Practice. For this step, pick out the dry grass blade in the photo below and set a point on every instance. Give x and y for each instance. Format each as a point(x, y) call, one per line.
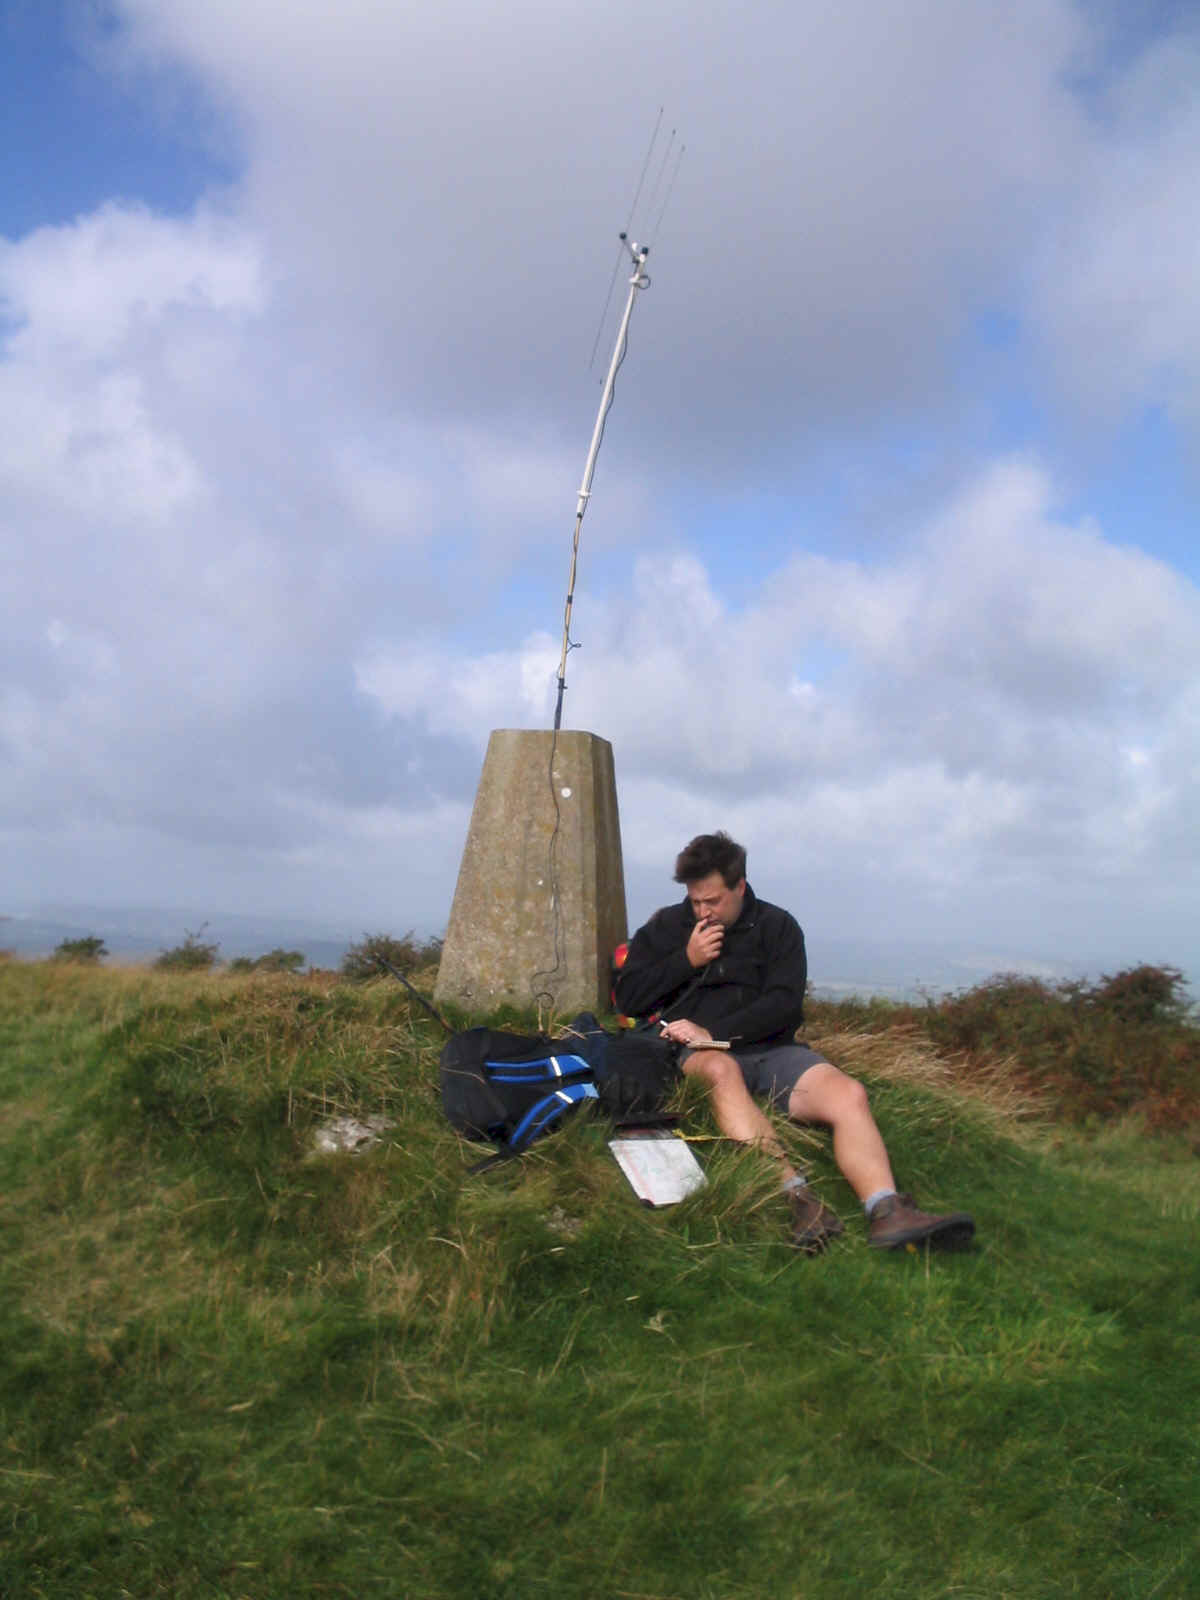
point(902, 1054)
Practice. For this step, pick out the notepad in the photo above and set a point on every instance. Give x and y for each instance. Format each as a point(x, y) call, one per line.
point(660, 1167)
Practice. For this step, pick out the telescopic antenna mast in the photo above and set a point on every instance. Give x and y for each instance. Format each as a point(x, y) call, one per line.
point(639, 280)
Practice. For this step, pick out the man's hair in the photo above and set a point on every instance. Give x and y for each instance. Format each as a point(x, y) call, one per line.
point(711, 852)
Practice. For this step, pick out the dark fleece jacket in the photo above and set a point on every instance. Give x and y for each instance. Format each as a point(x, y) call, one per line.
point(752, 994)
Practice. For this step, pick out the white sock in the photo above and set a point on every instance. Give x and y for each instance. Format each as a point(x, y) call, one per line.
point(873, 1200)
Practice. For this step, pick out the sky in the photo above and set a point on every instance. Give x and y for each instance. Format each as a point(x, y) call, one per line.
point(890, 565)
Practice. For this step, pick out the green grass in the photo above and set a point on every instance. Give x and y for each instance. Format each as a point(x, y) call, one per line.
point(231, 1368)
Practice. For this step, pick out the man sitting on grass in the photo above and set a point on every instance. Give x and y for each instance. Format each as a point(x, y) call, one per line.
point(726, 966)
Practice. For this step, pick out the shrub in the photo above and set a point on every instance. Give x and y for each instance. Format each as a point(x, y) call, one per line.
point(1125, 1043)
point(90, 950)
point(274, 961)
point(193, 955)
point(361, 960)
point(280, 961)
point(1143, 994)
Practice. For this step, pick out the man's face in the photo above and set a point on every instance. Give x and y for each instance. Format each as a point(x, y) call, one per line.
point(712, 900)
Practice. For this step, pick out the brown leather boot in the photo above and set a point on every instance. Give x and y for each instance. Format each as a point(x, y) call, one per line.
point(813, 1224)
point(896, 1222)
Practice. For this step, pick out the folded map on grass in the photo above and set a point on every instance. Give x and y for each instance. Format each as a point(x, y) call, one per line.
point(660, 1167)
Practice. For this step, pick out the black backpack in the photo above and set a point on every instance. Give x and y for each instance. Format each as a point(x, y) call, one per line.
point(509, 1089)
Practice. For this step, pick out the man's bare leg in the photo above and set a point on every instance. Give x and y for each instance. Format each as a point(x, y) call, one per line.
point(738, 1117)
point(826, 1094)
point(734, 1110)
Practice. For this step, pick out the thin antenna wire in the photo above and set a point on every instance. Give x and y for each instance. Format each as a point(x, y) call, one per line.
point(669, 193)
point(637, 194)
point(652, 200)
point(607, 302)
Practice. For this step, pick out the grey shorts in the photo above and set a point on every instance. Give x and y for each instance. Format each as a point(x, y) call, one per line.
point(773, 1073)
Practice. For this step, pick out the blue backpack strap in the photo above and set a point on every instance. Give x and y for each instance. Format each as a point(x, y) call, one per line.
point(547, 1111)
point(546, 1069)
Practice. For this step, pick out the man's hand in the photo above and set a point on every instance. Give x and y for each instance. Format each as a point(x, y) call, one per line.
point(684, 1032)
point(705, 943)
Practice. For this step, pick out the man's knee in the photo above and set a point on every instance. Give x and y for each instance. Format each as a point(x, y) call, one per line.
point(854, 1094)
point(826, 1094)
point(714, 1068)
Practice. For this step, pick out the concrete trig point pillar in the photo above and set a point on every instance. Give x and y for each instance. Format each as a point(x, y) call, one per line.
point(540, 902)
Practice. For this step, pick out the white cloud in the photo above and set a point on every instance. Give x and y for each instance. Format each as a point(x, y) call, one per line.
point(1116, 293)
point(976, 727)
point(93, 449)
point(84, 292)
point(91, 310)
point(452, 178)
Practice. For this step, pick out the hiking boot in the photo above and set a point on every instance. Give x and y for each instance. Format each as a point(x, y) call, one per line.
point(813, 1224)
point(896, 1222)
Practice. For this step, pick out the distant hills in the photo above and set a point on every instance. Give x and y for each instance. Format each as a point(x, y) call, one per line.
point(899, 969)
